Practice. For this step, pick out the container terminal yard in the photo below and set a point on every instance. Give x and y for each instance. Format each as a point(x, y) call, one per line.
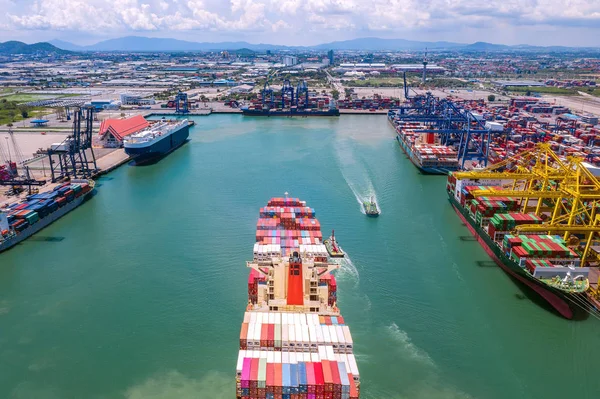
point(521, 172)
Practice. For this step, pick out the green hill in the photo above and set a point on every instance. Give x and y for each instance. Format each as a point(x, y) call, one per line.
point(14, 47)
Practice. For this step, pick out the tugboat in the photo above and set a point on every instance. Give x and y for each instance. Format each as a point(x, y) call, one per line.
point(332, 247)
point(371, 208)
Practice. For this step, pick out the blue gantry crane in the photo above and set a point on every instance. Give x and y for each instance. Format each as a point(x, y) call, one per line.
point(287, 88)
point(302, 91)
point(455, 125)
point(182, 103)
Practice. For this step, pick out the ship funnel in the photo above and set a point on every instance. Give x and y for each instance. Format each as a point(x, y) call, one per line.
point(295, 288)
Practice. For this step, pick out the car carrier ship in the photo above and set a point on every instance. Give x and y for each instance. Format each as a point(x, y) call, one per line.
point(423, 147)
point(294, 343)
point(21, 220)
point(542, 262)
point(156, 141)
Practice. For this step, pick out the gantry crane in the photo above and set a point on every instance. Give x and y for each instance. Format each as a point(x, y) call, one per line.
point(562, 191)
point(70, 158)
point(287, 88)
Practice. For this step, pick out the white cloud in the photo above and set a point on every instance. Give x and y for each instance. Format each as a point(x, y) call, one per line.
point(320, 17)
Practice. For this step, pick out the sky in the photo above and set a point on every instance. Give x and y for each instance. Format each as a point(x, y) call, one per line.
point(305, 22)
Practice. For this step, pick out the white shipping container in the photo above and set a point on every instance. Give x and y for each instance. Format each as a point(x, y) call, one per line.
point(278, 318)
point(305, 338)
point(326, 337)
point(292, 337)
point(240, 361)
point(319, 331)
point(263, 354)
point(340, 335)
point(277, 357)
point(284, 318)
point(330, 353)
point(285, 357)
point(298, 335)
point(246, 317)
point(257, 331)
point(270, 357)
point(253, 317)
point(347, 336)
point(306, 357)
point(332, 335)
point(285, 340)
point(322, 353)
point(293, 358)
point(353, 366)
point(302, 317)
point(271, 318)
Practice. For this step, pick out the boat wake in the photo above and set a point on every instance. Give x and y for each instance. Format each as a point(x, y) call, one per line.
point(355, 175)
point(348, 270)
point(407, 347)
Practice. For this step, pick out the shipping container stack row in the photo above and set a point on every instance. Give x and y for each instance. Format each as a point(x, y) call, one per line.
point(501, 223)
point(329, 281)
point(294, 332)
point(288, 375)
point(254, 279)
point(543, 255)
point(38, 206)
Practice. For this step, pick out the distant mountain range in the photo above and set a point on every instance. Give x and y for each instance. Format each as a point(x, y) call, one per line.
point(147, 44)
point(14, 47)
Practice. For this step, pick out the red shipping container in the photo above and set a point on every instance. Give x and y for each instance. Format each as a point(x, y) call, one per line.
point(278, 383)
point(335, 375)
point(264, 333)
point(270, 377)
point(327, 378)
point(243, 336)
point(310, 377)
point(319, 378)
point(270, 335)
point(254, 373)
point(328, 320)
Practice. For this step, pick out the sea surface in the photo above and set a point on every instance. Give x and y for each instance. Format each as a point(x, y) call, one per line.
point(140, 292)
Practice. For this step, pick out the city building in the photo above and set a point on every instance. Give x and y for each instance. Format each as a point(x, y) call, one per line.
point(289, 60)
point(134, 99)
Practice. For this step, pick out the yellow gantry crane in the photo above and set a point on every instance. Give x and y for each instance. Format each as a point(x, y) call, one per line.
point(562, 191)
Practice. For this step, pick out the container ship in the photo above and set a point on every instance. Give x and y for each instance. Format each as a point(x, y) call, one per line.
point(542, 262)
point(424, 149)
point(294, 343)
point(289, 112)
point(157, 140)
point(21, 220)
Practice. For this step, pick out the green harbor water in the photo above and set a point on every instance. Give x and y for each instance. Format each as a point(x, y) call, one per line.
point(140, 292)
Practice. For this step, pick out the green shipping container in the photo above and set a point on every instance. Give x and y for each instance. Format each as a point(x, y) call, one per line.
point(32, 218)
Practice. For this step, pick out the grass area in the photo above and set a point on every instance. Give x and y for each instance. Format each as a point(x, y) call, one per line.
point(27, 97)
point(11, 112)
point(556, 90)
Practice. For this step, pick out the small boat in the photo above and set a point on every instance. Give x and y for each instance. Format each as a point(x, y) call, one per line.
point(371, 208)
point(332, 247)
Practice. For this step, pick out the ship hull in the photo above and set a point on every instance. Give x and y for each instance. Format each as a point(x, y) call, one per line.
point(159, 149)
point(42, 223)
point(568, 305)
point(260, 112)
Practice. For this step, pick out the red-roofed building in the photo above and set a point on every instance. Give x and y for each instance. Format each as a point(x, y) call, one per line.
point(113, 131)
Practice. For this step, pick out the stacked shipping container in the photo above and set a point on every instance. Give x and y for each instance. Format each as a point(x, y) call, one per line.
point(39, 206)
